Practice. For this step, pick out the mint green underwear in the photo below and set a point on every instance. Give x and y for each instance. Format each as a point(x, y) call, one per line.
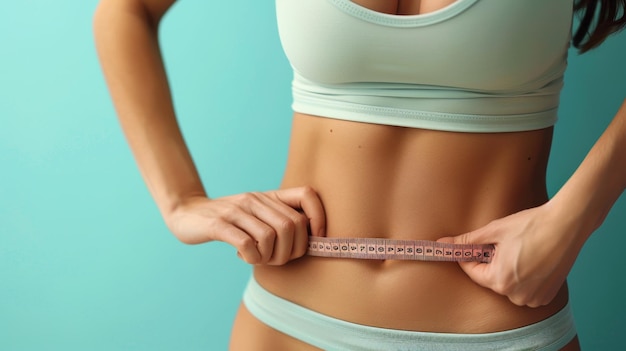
point(333, 334)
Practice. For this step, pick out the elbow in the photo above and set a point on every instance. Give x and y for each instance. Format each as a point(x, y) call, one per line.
point(103, 18)
point(105, 14)
point(109, 12)
point(112, 13)
point(97, 18)
point(114, 20)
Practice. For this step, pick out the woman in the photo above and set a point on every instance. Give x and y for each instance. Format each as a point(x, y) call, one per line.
point(421, 120)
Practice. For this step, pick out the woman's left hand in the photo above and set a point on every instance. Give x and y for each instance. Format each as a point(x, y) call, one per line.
point(534, 252)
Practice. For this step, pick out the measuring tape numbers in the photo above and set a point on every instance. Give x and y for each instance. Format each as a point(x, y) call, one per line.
point(393, 249)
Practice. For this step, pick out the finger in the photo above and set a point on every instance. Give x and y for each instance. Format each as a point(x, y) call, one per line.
point(300, 224)
point(446, 240)
point(245, 245)
point(480, 236)
point(262, 233)
point(299, 234)
point(300, 241)
point(306, 198)
point(286, 222)
point(478, 272)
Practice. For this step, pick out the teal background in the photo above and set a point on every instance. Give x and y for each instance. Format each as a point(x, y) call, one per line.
point(86, 262)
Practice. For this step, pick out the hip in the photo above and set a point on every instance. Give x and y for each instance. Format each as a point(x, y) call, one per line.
point(298, 324)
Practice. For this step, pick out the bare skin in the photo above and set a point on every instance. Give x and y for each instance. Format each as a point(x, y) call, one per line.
point(408, 184)
point(346, 179)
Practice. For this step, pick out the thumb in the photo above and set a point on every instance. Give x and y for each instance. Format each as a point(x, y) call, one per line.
point(477, 271)
point(478, 236)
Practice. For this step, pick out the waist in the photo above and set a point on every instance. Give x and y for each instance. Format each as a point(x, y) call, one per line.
point(401, 183)
point(405, 183)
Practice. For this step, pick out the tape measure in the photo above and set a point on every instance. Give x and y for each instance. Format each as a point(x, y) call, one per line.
point(393, 249)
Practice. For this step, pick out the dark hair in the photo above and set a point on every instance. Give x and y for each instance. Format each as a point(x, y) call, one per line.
point(609, 16)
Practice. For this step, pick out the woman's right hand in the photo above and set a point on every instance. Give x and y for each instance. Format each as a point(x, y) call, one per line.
point(265, 227)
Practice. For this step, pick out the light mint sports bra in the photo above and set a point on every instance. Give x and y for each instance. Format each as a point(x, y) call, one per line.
point(474, 66)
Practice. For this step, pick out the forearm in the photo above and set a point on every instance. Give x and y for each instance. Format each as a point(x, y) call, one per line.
point(587, 197)
point(127, 42)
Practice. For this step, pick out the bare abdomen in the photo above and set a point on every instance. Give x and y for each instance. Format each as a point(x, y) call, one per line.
point(392, 182)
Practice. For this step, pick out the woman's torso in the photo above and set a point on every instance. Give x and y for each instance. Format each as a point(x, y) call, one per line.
point(402, 183)
point(409, 183)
